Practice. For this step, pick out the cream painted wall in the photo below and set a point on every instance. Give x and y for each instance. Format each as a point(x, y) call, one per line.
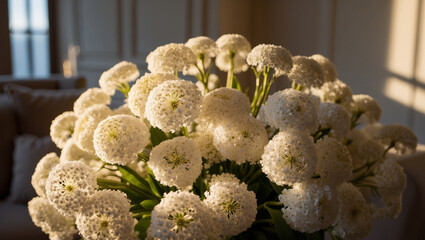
point(378, 46)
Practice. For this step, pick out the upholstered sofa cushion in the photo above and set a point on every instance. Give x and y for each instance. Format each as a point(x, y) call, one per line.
point(8, 129)
point(36, 108)
point(16, 223)
point(28, 151)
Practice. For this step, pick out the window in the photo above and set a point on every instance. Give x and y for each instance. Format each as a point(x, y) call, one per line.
point(29, 37)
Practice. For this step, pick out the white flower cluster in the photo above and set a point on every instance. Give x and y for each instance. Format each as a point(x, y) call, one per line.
point(115, 77)
point(268, 55)
point(236, 45)
point(190, 160)
point(234, 207)
point(90, 97)
point(291, 109)
point(306, 72)
point(87, 124)
point(179, 215)
point(170, 58)
point(403, 139)
point(328, 67)
point(309, 207)
point(289, 157)
point(173, 104)
point(118, 139)
point(106, 215)
point(176, 162)
point(354, 220)
point(42, 170)
point(241, 140)
point(69, 185)
point(62, 128)
point(45, 216)
point(204, 48)
point(139, 92)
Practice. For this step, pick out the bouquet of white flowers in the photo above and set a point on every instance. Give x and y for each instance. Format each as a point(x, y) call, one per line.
point(180, 160)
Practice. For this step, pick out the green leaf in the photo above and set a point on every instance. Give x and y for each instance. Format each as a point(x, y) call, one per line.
point(155, 187)
point(278, 189)
point(149, 204)
point(142, 227)
point(282, 228)
point(157, 136)
point(134, 178)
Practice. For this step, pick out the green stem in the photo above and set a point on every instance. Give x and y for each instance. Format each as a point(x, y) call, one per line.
point(270, 204)
point(229, 82)
point(184, 131)
point(392, 144)
point(254, 176)
point(354, 118)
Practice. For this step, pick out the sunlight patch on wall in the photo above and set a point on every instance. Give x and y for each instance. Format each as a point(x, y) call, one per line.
point(401, 47)
point(399, 91)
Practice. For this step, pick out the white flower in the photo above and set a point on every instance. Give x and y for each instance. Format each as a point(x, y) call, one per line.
point(269, 55)
point(234, 207)
point(367, 106)
point(334, 161)
point(291, 109)
point(205, 142)
point(327, 66)
point(236, 45)
point(71, 152)
point(306, 72)
point(42, 170)
point(223, 103)
point(69, 185)
point(176, 162)
point(309, 207)
point(106, 215)
point(118, 139)
point(336, 118)
point(89, 98)
point(202, 45)
point(289, 157)
point(173, 104)
point(363, 149)
point(392, 207)
point(62, 128)
point(87, 123)
point(170, 58)
point(204, 48)
point(180, 215)
point(354, 220)
point(224, 177)
point(390, 178)
point(337, 92)
point(139, 92)
point(403, 139)
point(241, 139)
point(121, 73)
point(45, 216)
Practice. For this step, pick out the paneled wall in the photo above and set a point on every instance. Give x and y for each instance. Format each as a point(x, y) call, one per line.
point(109, 31)
point(378, 46)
